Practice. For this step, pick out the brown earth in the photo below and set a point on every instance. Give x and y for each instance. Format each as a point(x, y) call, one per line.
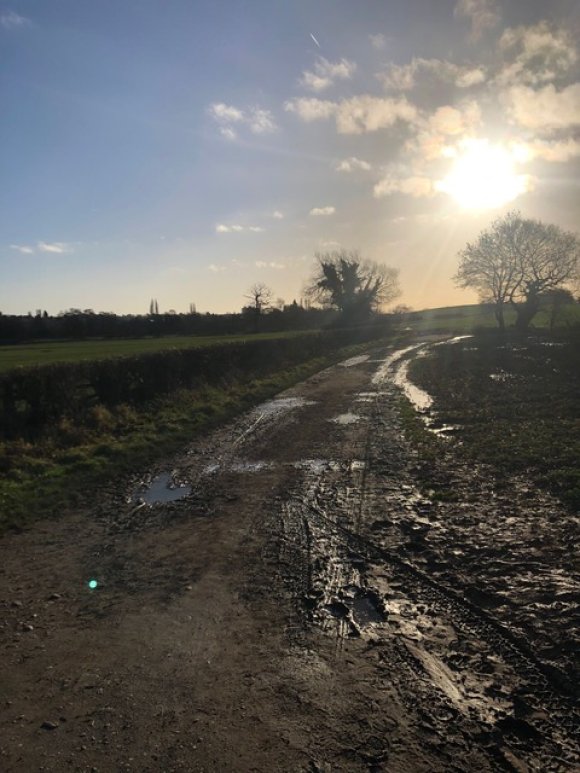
point(303, 608)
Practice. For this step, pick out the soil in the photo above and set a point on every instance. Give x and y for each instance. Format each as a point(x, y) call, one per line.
point(298, 602)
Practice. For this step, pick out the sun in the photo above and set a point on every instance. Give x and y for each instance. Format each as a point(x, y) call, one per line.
point(483, 176)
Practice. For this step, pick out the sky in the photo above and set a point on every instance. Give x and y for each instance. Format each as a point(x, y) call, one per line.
point(185, 149)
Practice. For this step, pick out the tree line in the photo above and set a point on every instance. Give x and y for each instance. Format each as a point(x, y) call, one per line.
point(345, 290)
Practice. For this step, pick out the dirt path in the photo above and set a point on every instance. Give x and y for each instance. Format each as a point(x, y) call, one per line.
point(303, 608)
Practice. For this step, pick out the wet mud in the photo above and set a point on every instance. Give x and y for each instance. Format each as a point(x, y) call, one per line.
point(298, 602)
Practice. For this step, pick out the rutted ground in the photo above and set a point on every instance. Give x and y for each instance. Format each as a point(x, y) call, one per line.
point(299, 605)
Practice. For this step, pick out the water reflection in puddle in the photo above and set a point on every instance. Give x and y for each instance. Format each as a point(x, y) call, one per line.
point(161, 490)
point(318, 466)
point(346, 418)
point(281, 405)
point(354, 361)
point(245, 466)
point(364, 607)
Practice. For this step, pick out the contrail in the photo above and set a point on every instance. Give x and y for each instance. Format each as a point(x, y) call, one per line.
point(314, 39)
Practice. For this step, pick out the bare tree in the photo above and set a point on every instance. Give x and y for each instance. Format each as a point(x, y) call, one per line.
point(260, 297)
point(356, 287)
point(516, 261)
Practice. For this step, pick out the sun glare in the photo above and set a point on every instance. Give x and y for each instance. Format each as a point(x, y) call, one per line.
point(483, 176)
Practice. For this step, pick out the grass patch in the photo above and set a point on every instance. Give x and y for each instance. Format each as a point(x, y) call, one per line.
point(59, 472)
point(518, 402)
point(28, 355)
point(466, 319)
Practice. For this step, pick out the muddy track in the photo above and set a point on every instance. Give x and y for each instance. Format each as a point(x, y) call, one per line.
point(293, 604)
point(546, 712)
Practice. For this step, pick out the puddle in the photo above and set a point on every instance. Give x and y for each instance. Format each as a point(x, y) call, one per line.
point(365, 609)
point(346, 418)
point(319, 466)
point(281, 405)
point(366, 397)
point(421, 400)
point(240, 465)
point(455, 340)
point(444, 430)
point(161, 490)
point(354, 361)
point(250, 466)
point(356, 464)
point(502, 376)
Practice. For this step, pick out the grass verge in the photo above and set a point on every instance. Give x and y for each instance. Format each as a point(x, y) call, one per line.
point(58, 473)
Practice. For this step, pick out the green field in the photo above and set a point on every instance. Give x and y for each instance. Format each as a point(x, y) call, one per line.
point(26, 355)
point(463, 319)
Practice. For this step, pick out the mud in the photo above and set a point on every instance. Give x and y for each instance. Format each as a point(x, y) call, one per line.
point(308, 606)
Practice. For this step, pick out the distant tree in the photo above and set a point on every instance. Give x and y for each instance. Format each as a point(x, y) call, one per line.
point(343, 280)
point(259, 296)
point(153, 307)
point(516, 261)
point(192, 308)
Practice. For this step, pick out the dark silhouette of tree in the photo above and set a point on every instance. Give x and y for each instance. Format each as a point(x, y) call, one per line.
point(153, 307)
point(556, 301)
point(516, 261)
point(260, 297)
point(355, 287)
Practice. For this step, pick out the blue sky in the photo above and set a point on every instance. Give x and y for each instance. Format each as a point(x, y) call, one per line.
point(184, 150)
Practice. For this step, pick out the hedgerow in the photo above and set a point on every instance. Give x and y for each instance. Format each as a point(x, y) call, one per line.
point(32, 400)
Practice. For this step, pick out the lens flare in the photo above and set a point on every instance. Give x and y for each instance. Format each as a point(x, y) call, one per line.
point(93, 584)
point(484, 176)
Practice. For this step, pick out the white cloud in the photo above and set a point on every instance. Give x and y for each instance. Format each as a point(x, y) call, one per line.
point(261, 121)
point(356, 115)
point(412, 186)
point(270, 264)
point(11, 20)
point(378, 41)
point(484, 15)
point(54, 247)
point(258, 120)
point(404, 77)
point(277, 215)
point(470, 77)
point(559, 151)
point(228, 132)
point(536, 55)
point(322, 211)
point(23, 248)
point(222, 228)
point(544, 110)
point(449, 121)
point(311, 109)
point(216, 269)
point(325, 73)
point(225, 113)
point(352, 164)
